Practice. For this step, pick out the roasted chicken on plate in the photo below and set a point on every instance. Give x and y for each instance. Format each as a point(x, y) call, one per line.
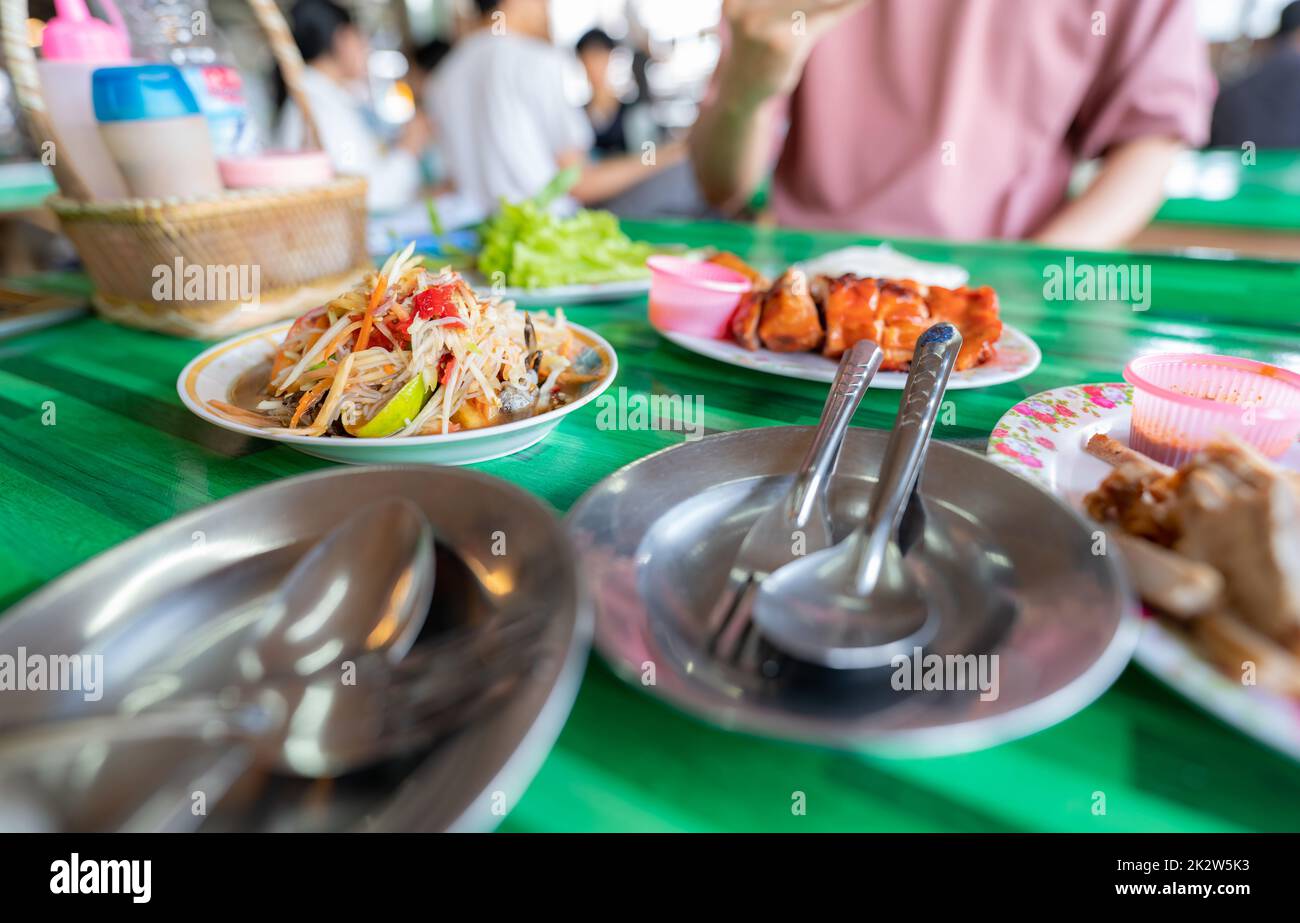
point(830, 314)
point(1214, 544)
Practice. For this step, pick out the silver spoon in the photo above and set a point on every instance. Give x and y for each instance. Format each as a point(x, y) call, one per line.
point(802, 513)
point(362, 593)
point(857, 604)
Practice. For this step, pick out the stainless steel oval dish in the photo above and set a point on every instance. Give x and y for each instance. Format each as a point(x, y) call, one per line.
point(1047, 624)
point(199, 574)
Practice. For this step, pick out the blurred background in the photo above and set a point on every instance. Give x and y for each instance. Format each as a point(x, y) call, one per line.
point(639, 70)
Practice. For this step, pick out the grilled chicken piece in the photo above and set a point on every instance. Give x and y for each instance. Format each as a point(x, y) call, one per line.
point(849, 307)
point(1241, 515)
point(1228, 508)
point(1231, 644)
point(902, 316)
point(892, 312)
point(975, 312)
point(790, 323)
point(744, 323)
point(736, 264)
point(1135, 495)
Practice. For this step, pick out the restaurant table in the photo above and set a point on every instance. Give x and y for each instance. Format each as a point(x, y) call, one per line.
point(120, 454)
point(1223, 199)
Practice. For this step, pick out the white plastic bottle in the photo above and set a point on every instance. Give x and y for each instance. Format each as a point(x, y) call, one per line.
point(158, 137)
point(73, 45)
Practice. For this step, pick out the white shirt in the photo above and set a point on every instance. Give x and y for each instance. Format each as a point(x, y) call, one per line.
point(353, 146)
point(505, 116)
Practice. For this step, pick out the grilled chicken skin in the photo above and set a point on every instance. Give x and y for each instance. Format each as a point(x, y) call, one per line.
point(799, 314)
point(790, 322)
point(744, 323)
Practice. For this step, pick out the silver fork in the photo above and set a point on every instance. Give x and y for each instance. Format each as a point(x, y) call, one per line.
point(799, 523)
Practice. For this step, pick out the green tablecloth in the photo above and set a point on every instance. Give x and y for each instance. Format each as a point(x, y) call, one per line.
point(1222, 191)
point(123, 455)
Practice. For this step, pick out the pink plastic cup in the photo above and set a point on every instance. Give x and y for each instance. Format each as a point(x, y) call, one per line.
point(1183, 402)
point(693, 296)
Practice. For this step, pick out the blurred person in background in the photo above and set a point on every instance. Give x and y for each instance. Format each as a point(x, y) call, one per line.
point(620, 127)
point(424, 63)
point(335, 84)
point(1263, 107)
point(506, 122)
point(946, 118)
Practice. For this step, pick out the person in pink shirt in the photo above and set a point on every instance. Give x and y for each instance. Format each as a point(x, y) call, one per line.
point(956, 119)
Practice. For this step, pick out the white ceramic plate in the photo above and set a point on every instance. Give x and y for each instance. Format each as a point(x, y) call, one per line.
point(1043, 439)
point(562, 295)
point(212, 373)
point(1017, 356)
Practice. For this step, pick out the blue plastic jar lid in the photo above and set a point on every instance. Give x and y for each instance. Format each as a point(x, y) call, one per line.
point(141, 91)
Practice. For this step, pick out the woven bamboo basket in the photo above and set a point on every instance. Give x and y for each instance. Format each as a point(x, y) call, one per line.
point(302, 246)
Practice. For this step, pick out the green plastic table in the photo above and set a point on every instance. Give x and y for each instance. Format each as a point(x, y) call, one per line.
point(123, 454)
point(1264, 195)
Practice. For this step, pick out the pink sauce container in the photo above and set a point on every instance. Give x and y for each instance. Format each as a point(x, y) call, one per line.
point(693, 296)
point(1182, 402)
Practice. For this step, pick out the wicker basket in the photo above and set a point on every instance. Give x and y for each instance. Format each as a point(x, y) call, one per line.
point(301, 246)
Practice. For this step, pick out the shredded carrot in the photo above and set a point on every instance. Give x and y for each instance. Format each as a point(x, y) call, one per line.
point(308, 399)
point(363, 338)
point(338, 341)
point(282, 360)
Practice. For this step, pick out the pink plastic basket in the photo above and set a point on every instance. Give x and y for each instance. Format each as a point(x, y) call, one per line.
point(1182, 402)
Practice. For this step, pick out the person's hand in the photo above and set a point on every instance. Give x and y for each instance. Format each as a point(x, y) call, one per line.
point(771, 41)
point(416, 134)
point(671, 152)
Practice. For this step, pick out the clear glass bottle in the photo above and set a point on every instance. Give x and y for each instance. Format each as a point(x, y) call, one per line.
point(181, 32)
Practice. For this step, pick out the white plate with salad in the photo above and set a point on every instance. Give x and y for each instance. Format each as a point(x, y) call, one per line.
point(530, 254)
point(585, 293)
point(408, 366)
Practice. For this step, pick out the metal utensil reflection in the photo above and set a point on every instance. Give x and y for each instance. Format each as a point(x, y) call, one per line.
point(797, 523)
point(361, 594)
point(857, 605)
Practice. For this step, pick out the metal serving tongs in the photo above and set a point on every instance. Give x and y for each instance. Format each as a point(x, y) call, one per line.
point(798, 521)
point(858, 605)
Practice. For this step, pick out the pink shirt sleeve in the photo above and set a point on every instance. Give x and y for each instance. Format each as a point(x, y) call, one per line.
point(1155, 78)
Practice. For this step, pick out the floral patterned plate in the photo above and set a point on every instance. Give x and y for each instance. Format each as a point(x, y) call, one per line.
point(1043, 438)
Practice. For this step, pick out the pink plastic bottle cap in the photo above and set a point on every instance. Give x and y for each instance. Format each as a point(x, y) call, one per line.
point(74, 35)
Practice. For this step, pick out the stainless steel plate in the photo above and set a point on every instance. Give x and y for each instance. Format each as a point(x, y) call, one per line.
point(502, 554)
point(1010, 568)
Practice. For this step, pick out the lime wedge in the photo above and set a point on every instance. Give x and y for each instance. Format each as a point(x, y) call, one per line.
point(401, 407)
